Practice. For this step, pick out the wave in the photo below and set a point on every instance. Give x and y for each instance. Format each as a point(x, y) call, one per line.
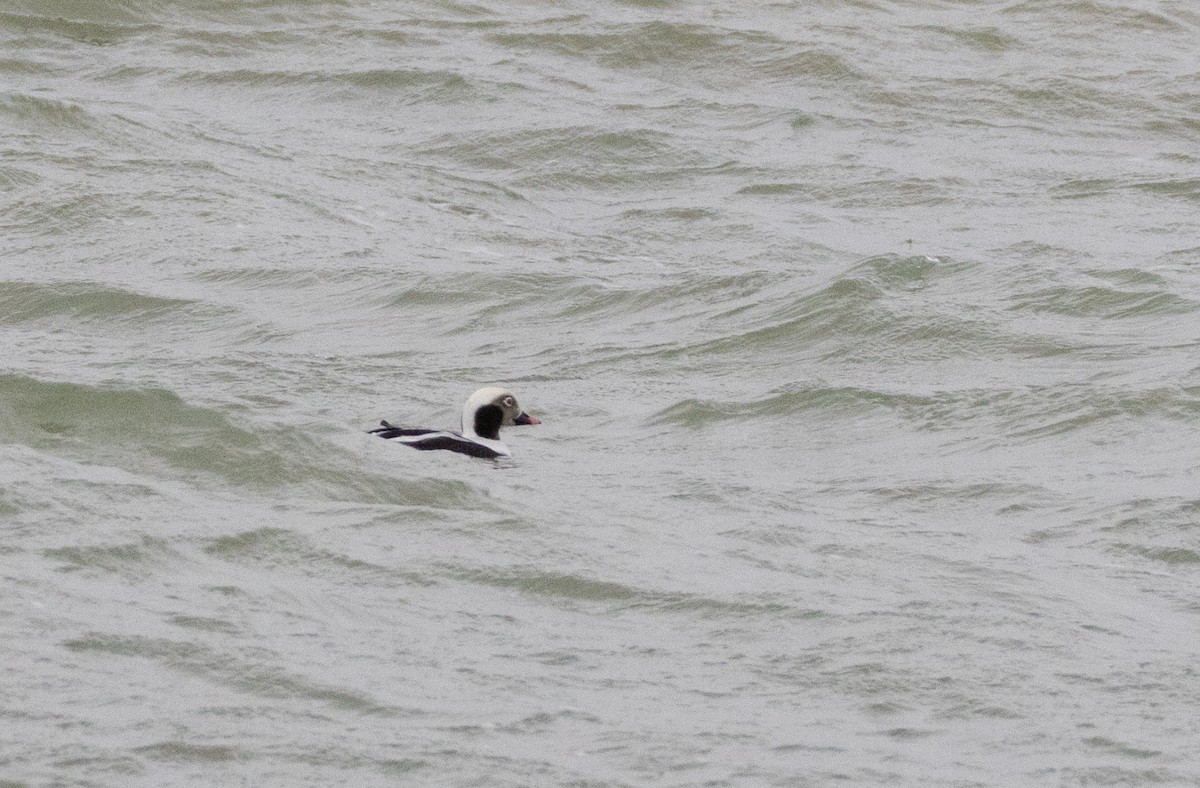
point(1004, 414)
point(876, 307)
point(86, 301)
point(1104, 302)
point(155, 434)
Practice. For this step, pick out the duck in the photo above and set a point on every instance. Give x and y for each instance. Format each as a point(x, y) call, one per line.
point(485, 412)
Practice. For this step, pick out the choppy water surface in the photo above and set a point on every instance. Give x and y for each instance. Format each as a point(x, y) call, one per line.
point(864, 335)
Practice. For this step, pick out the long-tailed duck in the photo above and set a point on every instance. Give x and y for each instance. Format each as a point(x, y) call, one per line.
point(486, 411)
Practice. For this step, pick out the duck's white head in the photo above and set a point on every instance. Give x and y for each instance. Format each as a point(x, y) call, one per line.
point(489, 409)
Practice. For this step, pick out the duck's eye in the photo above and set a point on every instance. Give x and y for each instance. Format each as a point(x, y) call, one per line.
point(509, 402)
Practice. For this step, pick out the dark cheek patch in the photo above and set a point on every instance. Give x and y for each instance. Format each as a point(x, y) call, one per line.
point(487, 422)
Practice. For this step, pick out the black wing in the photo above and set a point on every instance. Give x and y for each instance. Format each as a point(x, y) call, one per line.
point(460, 445)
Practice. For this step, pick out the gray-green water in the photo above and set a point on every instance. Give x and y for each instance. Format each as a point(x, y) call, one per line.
point(864, 335)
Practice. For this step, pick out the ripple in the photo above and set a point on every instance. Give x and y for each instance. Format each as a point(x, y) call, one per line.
point(577, 588)
point(638, 46)
point(580, 152)
point(42, 113)
point(134, 559)
point(840, 399)
point(248, 676)
point(274, 547)
point(412, 85)
point(187, 752)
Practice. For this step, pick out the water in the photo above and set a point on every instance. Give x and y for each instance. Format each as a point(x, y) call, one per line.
point(863, 333)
